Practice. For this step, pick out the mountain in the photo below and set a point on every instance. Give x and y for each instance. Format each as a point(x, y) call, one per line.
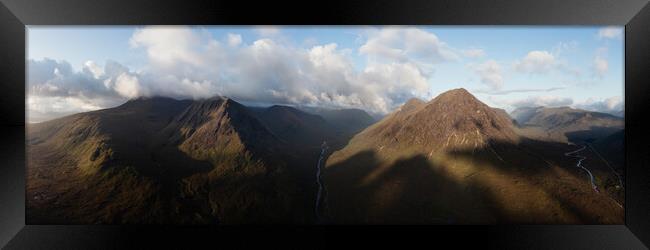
point(453, 119)
point(296, 127)
point(409, 107)
point(160, 160)
point(619, 113)
point(524, 114)
point(456, 160)
point(452, 159)
point(113, 135)
point(566, 124)
point(348, 121)
point(503, 113)
point(236, 128)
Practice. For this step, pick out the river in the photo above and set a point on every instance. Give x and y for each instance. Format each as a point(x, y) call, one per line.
point(318, 179)
point(579, 165)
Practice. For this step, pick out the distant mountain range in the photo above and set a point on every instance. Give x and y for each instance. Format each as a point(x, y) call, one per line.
point(566, 124)
point(452, 159)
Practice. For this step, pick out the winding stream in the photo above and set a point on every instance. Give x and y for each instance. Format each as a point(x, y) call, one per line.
point(579, 165)
point(318, 178)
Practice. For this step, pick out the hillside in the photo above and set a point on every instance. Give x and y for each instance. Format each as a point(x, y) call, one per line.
point(612, 147)
point(348, 121)
point(452, 159)
point(456, 160)
point(296, 127)
point(454, 119)
point(160, 160)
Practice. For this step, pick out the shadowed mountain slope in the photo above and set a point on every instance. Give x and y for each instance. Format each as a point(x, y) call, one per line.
point(160, 160)
point(296, 127)
point(347, 121)
point(457, 160)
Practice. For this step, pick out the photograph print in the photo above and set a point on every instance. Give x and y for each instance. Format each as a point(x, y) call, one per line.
point(313, 125)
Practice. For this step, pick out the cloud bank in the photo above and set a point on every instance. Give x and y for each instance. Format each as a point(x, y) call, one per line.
point(189, 63)
point(186, 63)
point(611, 105)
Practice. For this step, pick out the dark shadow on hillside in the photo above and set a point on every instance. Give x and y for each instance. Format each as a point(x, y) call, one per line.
point(612, 148)
point(243, 199)
point(410, 191)
point(417, 190)
point(532, 161)
point(592, 134)
point(179, 188)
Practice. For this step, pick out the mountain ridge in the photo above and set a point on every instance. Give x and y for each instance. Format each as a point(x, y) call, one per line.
point(566, 124)
point(456, 160)
point(439, 122)
point(452, 159)
point(202, 161)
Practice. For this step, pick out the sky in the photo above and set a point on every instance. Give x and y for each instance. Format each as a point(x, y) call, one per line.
point(74, 69)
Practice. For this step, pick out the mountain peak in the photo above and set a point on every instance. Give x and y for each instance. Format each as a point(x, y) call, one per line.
point(149, 98)
point(214, 98)
point(458, 94)
point(451, 120)
point(458, 90)
point(412, 104)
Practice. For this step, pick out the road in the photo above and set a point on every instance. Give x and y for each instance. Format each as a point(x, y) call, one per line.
point(579, 165)
point(318, 178)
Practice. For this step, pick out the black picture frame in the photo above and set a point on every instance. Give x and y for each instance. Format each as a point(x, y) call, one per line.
point(16, 14)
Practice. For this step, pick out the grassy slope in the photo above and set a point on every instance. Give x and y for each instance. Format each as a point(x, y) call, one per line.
point(388, 175)
point(464, 186)
point(109, 167)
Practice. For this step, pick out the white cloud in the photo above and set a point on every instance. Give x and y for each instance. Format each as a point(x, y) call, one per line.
point(600, 66)
point(490, 74)
point(610, 32)
point(394, 83)
point(128, 85)
point(509, 91)
point(183, 63)
point(54, 89)
point(612, 105)
point(473, 53)
point(43, 108)
point(327, 56)
point(234, 40)
point(48, 77)
point(543, 62)
point(536, 62)
point(547, 101)
point(406, 44)
point(93, 69)
point(167, 46)
point(531, 101)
